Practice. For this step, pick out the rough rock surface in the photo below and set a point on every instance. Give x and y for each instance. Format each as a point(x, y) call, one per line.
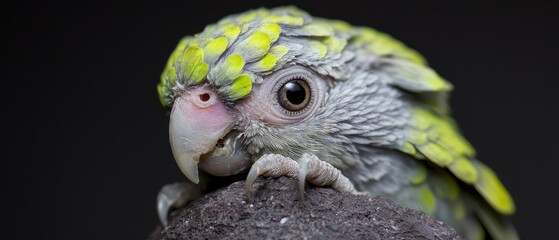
point(276, 212)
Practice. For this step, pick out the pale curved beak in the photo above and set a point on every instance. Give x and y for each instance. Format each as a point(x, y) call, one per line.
point(198, 121)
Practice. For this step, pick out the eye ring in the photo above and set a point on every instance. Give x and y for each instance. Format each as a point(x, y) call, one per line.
point(274, 86)
point(295, 94)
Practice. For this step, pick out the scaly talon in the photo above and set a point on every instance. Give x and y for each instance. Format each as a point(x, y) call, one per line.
point(307, 168)
point(271, 165)
point(321, 173)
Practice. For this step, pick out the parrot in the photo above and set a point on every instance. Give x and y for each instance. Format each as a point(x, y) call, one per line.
point(274, 92)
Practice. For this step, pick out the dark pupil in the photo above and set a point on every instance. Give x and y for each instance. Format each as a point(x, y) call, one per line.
point(295, 93)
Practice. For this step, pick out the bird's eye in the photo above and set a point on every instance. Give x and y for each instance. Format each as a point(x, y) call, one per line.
point(294, 95)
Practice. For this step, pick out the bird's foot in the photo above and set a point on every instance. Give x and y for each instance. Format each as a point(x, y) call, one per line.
point(307, 168)
point(175, 195)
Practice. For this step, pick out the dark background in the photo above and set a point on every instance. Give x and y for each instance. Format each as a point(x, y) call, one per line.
point(85, 139)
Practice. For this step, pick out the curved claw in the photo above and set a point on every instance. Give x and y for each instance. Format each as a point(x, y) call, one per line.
point(251, 177)
point(175, 195)
point(302, 177)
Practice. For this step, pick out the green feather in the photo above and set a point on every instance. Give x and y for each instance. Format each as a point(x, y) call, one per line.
point(425, 198)
point(439, 140)
point(493, 190)
point(214, 49)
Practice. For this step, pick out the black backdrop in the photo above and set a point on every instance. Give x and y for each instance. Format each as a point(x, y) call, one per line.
point(85, 139)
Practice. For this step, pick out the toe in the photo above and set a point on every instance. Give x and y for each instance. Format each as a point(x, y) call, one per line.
point(175, 195)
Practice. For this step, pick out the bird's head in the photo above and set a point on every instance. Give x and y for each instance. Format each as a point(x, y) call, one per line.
point(280, 81)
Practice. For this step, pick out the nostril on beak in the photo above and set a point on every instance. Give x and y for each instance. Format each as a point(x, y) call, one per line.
point(204, 97)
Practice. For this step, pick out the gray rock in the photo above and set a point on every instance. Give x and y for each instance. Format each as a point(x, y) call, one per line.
point(276, 212)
